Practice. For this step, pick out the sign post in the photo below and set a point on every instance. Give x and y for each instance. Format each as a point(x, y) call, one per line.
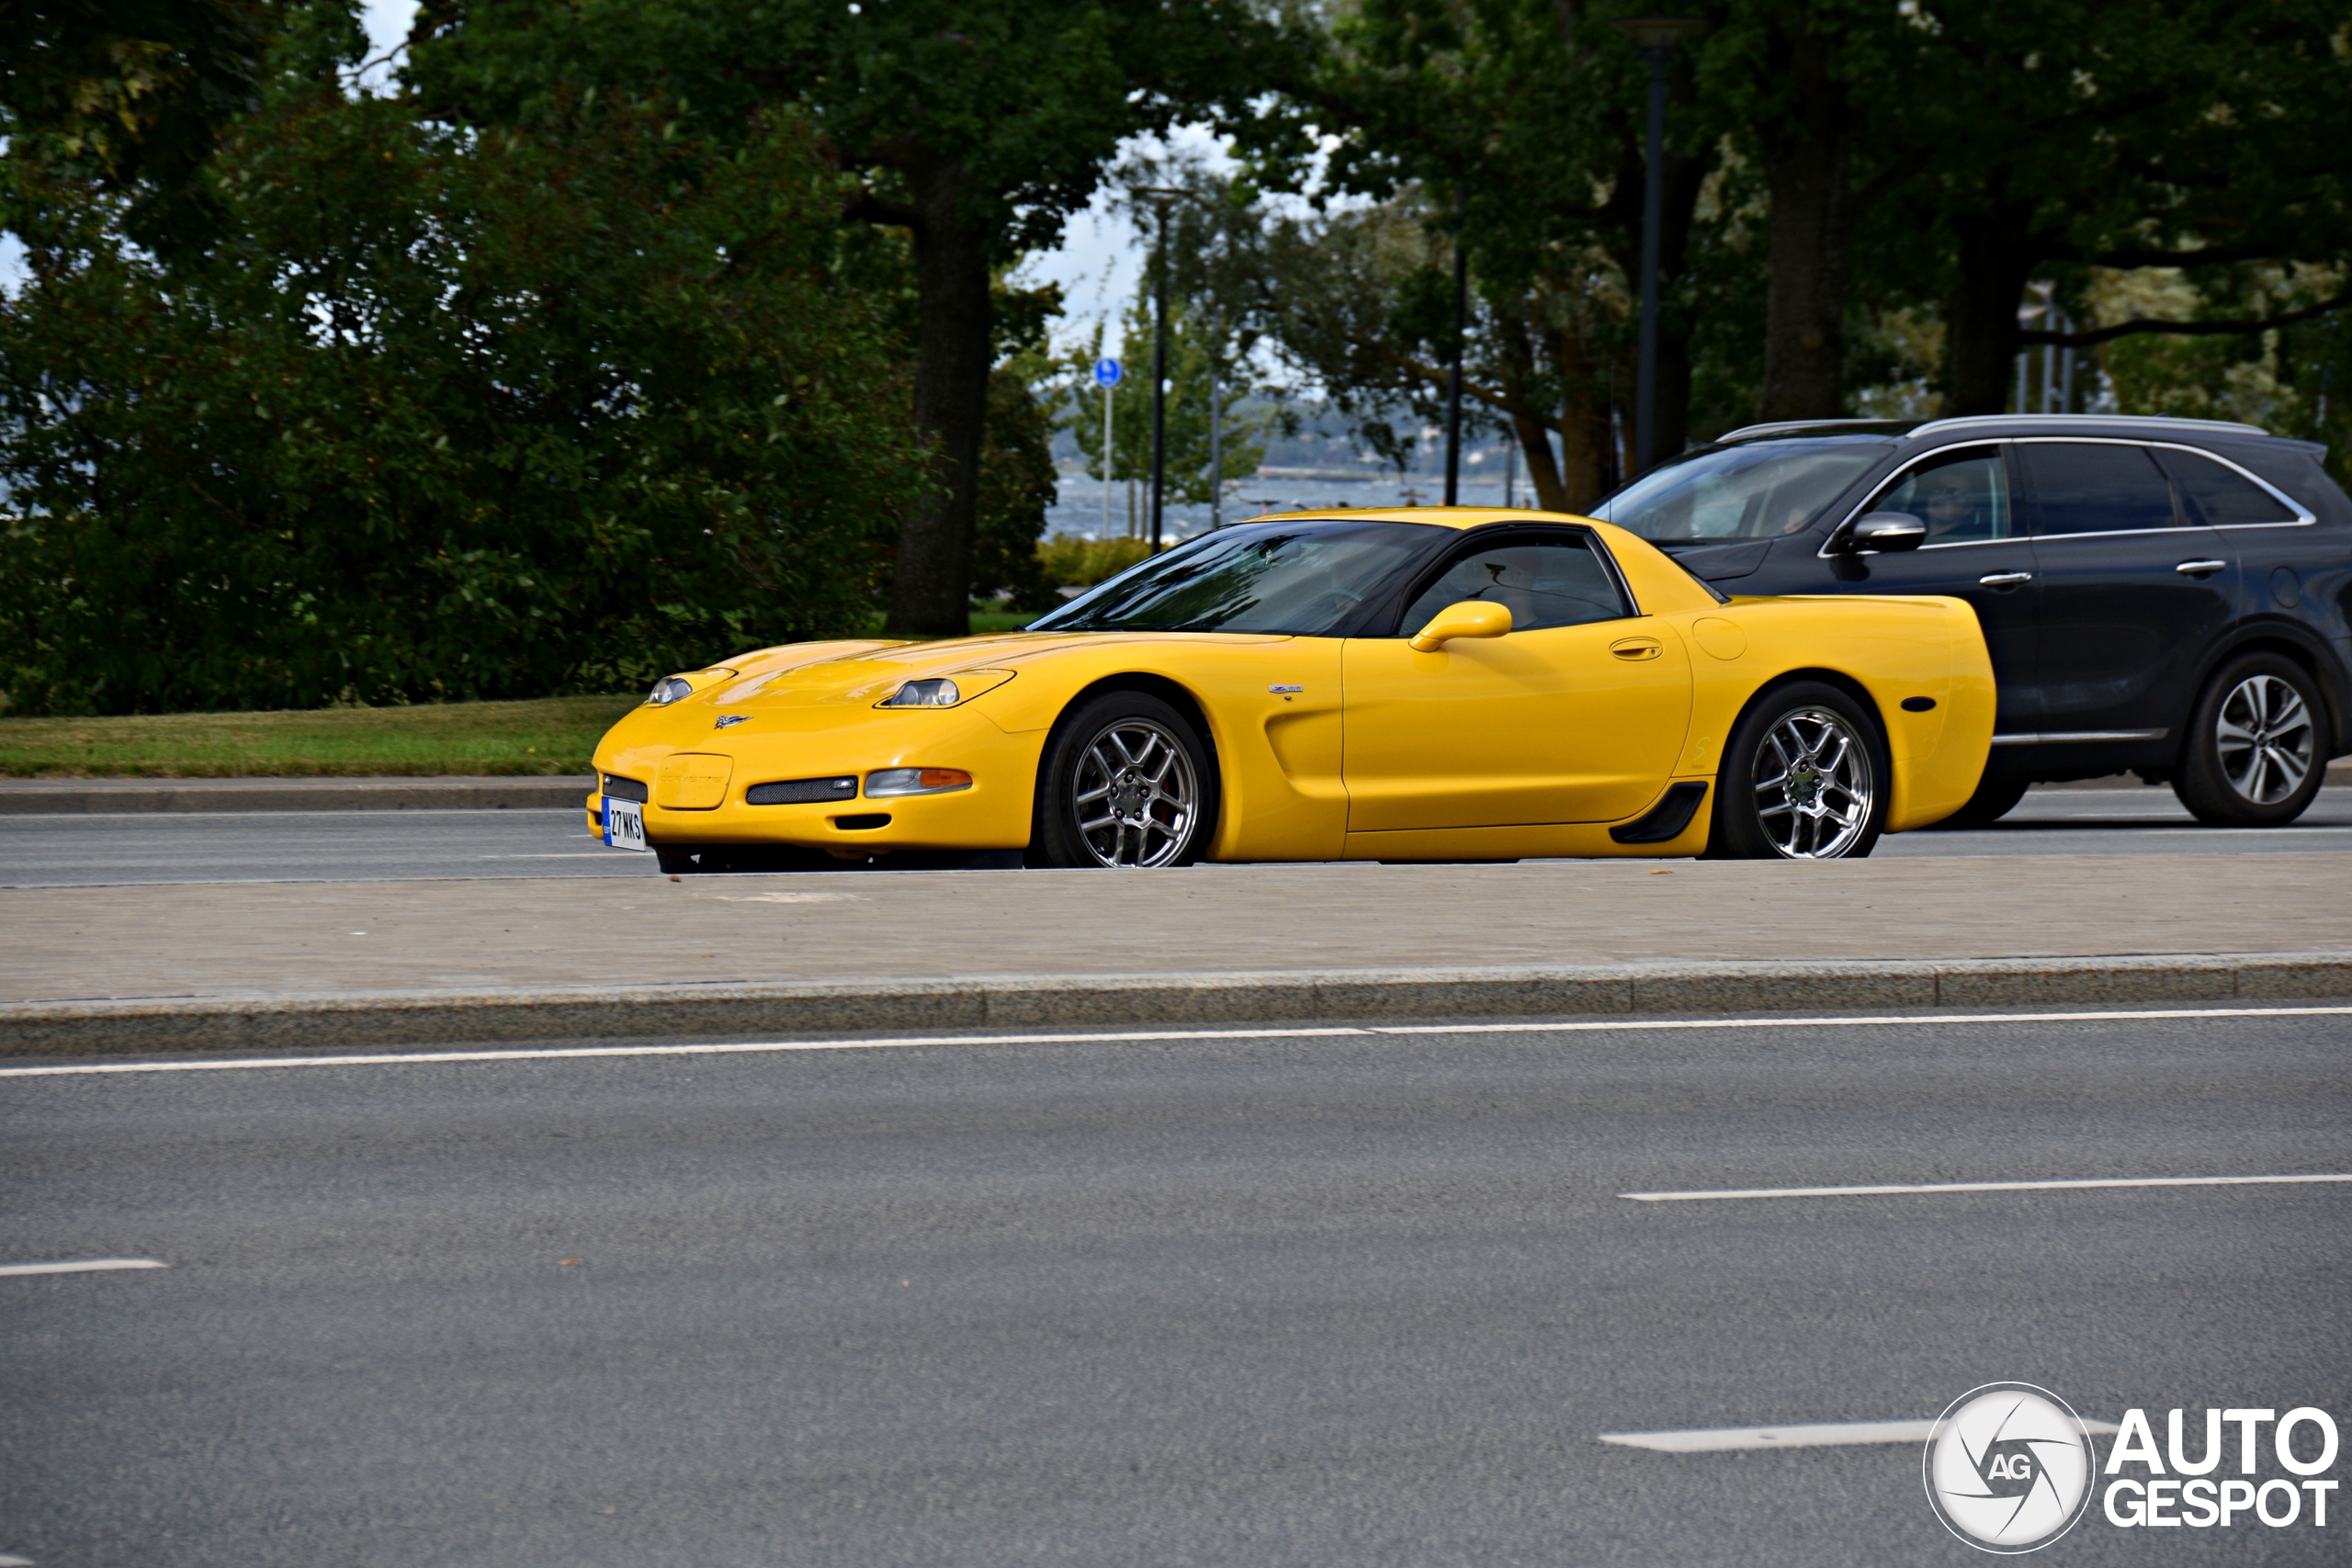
point(1106, 376)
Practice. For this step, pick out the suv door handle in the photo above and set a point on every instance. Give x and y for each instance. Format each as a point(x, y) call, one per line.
point(2004, 579)
point(2202, 567)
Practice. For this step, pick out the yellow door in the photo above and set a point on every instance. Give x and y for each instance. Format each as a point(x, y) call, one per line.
point(1563, 724)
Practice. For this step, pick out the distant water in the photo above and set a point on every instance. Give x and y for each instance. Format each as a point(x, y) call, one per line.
point(1080, 509)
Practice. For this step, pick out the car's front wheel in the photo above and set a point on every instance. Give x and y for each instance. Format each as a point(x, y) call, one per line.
point(2257, 745)
point(1804, 778)
point(1125, 780)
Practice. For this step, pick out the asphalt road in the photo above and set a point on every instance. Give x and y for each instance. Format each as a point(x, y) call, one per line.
point(1362, 1300)
point(36, 851)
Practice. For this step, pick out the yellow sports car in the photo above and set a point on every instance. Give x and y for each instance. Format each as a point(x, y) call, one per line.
point(1432, 684)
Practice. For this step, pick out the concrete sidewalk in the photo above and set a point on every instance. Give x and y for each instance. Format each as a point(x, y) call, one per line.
point(22, 797)
point(228, 966)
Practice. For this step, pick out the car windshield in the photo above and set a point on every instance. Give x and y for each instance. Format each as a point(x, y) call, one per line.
point(1300, 579)
point(1758, 489)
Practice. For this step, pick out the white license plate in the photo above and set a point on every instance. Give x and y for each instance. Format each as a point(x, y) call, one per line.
point(624, 824)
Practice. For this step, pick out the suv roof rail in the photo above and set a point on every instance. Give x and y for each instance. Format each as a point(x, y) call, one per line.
point(2150, 423)
point(1780, 427)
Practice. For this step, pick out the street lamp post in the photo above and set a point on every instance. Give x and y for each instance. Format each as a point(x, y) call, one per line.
point(1161, 199)
point(1655, 37)
point(1460, 330)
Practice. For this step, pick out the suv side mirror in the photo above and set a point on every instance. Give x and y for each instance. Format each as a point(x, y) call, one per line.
point(1886, 531)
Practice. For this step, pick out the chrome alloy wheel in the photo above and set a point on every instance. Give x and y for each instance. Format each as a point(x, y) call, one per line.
point(1813, 789)
point(1136, 799)
point(2263, 734)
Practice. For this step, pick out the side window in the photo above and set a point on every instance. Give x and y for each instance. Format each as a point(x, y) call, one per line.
point(2222, 495)
point(2085, 487)
point(1961, 496)
point(1543, 583)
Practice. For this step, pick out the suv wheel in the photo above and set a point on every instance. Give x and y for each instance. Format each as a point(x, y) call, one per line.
point(1124, 782)
point(2258, 746)
point(1803, 778)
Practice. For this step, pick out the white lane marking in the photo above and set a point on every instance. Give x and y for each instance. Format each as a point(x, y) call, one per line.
point(1985, 1187)
point(1823, 1435)
point(1849, 1021)
point(535, 1054)
point(84, 1266)
point(16, 1562)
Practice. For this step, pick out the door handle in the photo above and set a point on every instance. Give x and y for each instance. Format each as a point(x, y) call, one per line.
point(1635, 648)
point(2202, 567)
point(2004, 579)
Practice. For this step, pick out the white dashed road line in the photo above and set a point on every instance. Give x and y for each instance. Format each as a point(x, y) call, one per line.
point(84, 1266)
point(1832, 1434)
point(1984, 1187)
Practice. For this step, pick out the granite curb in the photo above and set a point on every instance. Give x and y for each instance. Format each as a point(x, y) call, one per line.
point(146, 1027)
point(43, 797)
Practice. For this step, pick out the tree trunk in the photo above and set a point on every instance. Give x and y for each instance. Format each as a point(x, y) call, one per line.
point(1806, 167)
point(1997, 252)
point(1683, 178)
point(931, 588)
point(1542, 472)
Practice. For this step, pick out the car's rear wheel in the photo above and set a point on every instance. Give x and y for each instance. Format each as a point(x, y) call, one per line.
point(1125, 780)
point(1803, 778)
point(2257, 745)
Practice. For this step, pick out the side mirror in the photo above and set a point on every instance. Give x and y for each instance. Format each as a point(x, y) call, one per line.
point(1886, 531)
point(1471, 617)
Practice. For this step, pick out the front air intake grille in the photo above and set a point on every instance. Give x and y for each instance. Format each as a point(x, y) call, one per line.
point(618, 788)
point(802, 792)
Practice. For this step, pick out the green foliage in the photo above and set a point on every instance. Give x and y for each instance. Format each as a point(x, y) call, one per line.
point(1017, 484)
point(131, 95)
point(1068, 561)
point(446, 413)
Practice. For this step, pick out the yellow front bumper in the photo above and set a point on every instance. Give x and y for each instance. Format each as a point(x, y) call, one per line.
point(993, 814)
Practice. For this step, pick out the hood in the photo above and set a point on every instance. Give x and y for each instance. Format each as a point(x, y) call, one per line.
point(864, 673)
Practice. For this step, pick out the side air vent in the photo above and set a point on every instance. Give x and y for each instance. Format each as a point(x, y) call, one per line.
point(619, 788)
point(802, 792)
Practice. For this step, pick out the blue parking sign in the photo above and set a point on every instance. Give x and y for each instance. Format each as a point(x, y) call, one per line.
point(1107, 372)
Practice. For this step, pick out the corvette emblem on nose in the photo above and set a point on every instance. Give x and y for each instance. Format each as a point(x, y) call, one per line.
point(731, 720)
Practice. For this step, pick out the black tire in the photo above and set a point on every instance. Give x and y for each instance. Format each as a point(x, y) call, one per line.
point(1832, 746)
point(1994, 798)
point(1125, 780)
point(2259, 720)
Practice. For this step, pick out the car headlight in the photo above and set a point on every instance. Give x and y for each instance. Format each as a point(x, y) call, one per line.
point(916, 780)
point(669, 689)
point(939, 693)
point(943, 692)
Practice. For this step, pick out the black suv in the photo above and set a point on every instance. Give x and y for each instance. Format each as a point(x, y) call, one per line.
point(2165, 595)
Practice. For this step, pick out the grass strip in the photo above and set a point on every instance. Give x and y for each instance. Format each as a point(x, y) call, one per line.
point(553, 735)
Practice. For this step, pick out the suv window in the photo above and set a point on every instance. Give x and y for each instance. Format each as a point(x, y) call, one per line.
point(2223, 495)
point(2096, 487)
point(1962, 496)
point(1543, 583)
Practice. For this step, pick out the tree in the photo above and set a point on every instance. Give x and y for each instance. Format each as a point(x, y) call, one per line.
point(2190, 134)
point(446, 414)
point(131, 93)
point(974, 126)
point(1198, 340)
